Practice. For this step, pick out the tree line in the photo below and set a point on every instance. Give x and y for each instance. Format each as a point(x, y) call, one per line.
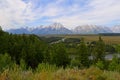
point(32, 51)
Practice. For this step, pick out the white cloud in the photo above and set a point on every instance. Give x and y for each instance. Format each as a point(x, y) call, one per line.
point(99, 12)
point(14, 12)
point(18, 12)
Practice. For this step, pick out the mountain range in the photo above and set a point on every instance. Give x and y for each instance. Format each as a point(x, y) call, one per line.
point(58, 28)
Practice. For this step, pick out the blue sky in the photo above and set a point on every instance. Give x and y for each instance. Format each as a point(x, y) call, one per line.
point(70, 13)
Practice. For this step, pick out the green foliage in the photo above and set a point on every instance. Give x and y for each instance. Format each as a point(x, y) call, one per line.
point(50, 39)
point(4, 39)
point(100, 64)
point(72, 40)
point(5, 61)
point(99, 51)
point(115, 64)
point(83, 51)
point(117, 47)
point(75, 63)
point(23, 64)
point(27, 47)
point(110, 48)
point(30, 51)
point(59, 55)
point(46, 67)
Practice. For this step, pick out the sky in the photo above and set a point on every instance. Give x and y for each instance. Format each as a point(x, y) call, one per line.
point(70, 13)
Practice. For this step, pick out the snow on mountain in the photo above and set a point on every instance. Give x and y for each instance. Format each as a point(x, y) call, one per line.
point(116, 29)
point(37, 30)
point(91, 29)
point(55, 28)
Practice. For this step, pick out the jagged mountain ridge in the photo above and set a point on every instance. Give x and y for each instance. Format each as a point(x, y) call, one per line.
point(19, 31)
point(91, 29)
point(57, 28)
point(116, 29)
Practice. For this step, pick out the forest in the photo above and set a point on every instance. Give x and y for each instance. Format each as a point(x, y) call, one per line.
point(30, 57)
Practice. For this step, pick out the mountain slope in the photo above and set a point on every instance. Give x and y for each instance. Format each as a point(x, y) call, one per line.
point(37, 30)
point(91, 29)
point(19, 31)
point(55, 28)
point(116, 29)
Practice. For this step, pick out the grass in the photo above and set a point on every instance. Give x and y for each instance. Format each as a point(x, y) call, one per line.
point(89, 38)
point(92, 37)
point(91, 73)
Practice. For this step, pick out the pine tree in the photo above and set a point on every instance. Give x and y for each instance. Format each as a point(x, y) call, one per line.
point(59, 55)
point(5, 61)
point(83, 54)
point(99, 51)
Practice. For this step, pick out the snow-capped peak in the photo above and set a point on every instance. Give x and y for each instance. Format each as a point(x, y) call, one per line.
point(56, 26)
point(91, 29)
point(116, 29)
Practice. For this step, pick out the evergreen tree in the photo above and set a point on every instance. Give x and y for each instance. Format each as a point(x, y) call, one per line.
point(83, 54)
point(59, 55)
point(5, 61)
point(99, 51)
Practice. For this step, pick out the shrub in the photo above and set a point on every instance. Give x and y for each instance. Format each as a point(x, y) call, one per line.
point(22, 64)
point(46, 67)
point(115, 64)
point(75, 63)
point(5, 61)
point(100, 64)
